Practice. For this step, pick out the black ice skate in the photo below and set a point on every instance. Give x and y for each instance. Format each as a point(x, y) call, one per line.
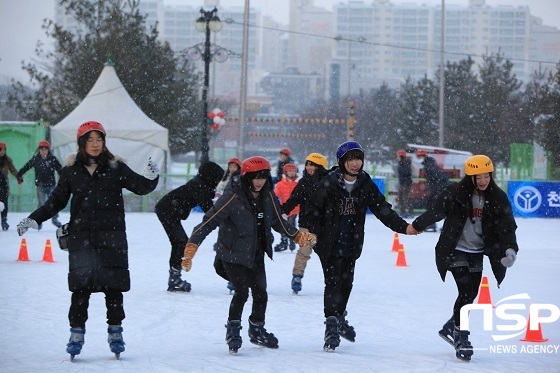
point(115, 339)
point(282, 245)
point(463, 348)
point(175, 283)
point(260, 336)
point(346, 330)
point(332, 337)
point(296, 283)
point(74, 346)
point(446, 332)
point(431, 228)
point(292, 245)
point(233, 338)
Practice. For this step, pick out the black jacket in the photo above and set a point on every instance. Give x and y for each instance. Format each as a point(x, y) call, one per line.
point(498, 225)
point(404, 171)
point(436, 179)
point(305, 187)
point(322, 214)
point(3, 187)
point(98, 249)
point(237, 236)
point(44, 169)
point(177, 204)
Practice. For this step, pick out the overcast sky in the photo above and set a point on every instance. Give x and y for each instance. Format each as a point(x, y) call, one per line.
point(21, 20)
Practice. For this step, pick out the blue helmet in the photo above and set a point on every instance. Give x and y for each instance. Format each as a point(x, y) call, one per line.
point(347, 146)
point(343, 150)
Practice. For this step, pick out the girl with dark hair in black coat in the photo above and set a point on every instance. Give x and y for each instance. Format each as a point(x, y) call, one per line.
point(315, 169)
point(45, 164)
point(176, 206)
point(246, 214)
point(97, 244)
point(478, 221)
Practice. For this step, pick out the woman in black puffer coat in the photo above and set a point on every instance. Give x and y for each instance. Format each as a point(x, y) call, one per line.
point(97, 244)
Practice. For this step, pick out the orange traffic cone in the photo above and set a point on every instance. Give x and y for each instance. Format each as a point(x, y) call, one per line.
point(484, 292)
point(401, 258)
point(23, 256)
point(396, 243)
point(47, 255)
point(533, 335)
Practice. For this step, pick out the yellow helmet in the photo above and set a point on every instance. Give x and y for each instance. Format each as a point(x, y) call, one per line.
point(478, 164)
point(318, 159)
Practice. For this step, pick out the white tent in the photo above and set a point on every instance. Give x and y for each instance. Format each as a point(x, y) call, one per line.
point(131, 134)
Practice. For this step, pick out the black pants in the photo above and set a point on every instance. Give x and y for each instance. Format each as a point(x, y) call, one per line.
point(466, 269)
point(243, 279)
point(78, 313)
point(339, 278)
point(178, 239)
point(4, 213)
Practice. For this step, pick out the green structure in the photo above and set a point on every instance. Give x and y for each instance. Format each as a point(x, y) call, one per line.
point(21, 140)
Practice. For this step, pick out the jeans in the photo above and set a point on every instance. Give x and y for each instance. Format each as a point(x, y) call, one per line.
point(43, 194)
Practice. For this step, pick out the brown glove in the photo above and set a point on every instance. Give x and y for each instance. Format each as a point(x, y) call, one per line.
point(305, 239)
point(188, 255)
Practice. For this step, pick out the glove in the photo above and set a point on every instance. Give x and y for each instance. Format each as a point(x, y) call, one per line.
point(188, 255)
point(20, 180)
point(1, 206)
point(285, 217)
point(151, 171)
point(25, 224)
point(305, 239)
point(509, 259)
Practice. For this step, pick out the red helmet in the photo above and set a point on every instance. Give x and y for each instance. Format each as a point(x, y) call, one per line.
point(289, 166)
point(286, 151)
point(254, 164)
point(234, 160)
point(421, 153)
point(401, 153)
point(3, 145)
point(44, 144)
point(90, 126)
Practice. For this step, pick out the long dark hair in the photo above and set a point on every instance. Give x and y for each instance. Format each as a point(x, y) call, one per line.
point(83, 157)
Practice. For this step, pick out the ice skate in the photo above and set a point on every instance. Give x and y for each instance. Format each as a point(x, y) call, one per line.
point(332, 337)
point(115, 339)
point(292, 245)
point(346, 330)
point(446, 332)
point(175, 283)
point(463, 347)
point(74, 346)
point(282, 245)
point(233, 337)
point(230, 287)
point(259, 336)
point(296, 283)
point(5, 225)
point(56, 223)
point(431, 228)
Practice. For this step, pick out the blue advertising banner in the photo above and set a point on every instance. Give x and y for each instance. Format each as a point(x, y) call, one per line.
point(535, 199)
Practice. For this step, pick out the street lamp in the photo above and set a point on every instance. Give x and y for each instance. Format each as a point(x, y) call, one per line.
point(208, 21)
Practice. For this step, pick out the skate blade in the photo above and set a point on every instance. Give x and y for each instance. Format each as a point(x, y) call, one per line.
point(328, 349)
point(295, 292)
point(72, 357)
point(446, 338)
point(233, 351)
point(118, 356)
point(463, 356)
point(255, 342)
point(348, 339)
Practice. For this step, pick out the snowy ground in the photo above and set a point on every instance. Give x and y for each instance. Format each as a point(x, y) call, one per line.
point(396, 311)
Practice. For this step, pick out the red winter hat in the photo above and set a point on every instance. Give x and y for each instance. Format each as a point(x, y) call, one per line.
point(3, 145)
point(286, 151)
point(44, 144)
